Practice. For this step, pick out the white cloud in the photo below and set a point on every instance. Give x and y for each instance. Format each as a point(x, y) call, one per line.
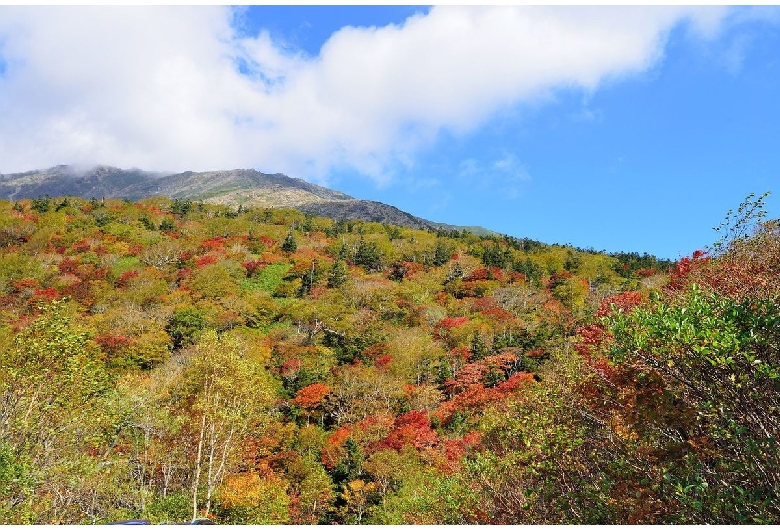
point(176, 88)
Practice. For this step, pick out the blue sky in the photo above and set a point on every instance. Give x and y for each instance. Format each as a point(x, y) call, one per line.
point(630, 129)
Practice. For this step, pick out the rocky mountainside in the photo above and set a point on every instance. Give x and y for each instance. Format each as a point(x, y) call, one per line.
point(238, 186)
point(246, 187)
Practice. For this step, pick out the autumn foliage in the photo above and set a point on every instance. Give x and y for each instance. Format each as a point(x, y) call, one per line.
point(166, 360)
point(311, 397)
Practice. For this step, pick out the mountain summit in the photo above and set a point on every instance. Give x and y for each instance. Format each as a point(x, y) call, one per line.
point(245, 187)
point(238, 186)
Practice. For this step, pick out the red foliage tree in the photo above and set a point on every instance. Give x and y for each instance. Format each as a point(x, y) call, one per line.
point(515, 382)
point(43, 295)
point(333, 448)
point(383, 361)
point(590, 338)
point(486, 273)
point(310, 397)
point(441, 328)
point(558, 278)
point(290, 369)
point(252, 267)
point(471, 374)
point(410, 429)
point(25, 284)
point(215, 243)
point(683, 268)
point(267, 241)
point(485, 303)
point(208, 259)
point(624, 302)
point(125, 278)
point(81, 246)
point(500, 316)
point(517, 277)
point(112, 344)
point(375, 351)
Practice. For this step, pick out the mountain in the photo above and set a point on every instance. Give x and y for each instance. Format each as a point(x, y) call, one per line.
point(238, 186)
point(381, 213)
point(246, 187)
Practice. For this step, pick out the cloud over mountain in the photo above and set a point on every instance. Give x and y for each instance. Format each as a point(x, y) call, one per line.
point(179, 88)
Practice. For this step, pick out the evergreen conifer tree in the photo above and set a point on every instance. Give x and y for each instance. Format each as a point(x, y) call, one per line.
point(290, 244)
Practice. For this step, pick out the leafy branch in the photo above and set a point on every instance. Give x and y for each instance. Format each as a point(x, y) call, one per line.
point(738, 226)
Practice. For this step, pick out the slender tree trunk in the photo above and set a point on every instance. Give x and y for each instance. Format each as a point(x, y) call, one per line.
point(196, 478)
point(217, 476)
point(210, 473)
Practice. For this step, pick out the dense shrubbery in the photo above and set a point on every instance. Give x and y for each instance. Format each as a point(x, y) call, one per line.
point(164, 359)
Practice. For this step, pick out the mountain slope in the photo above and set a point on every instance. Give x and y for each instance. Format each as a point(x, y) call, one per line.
point(246, 187)
point(366, 211)
point(239, 186)
point(100, 181)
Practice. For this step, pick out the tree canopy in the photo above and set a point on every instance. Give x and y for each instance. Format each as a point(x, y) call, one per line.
point(166, 360)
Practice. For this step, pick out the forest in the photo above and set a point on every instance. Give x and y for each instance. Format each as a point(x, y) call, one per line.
point(168, 360)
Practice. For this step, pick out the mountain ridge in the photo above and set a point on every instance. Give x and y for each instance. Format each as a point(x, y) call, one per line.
point(236, 187)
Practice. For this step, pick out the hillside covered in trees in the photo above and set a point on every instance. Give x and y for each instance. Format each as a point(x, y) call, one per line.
point(164, 359)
